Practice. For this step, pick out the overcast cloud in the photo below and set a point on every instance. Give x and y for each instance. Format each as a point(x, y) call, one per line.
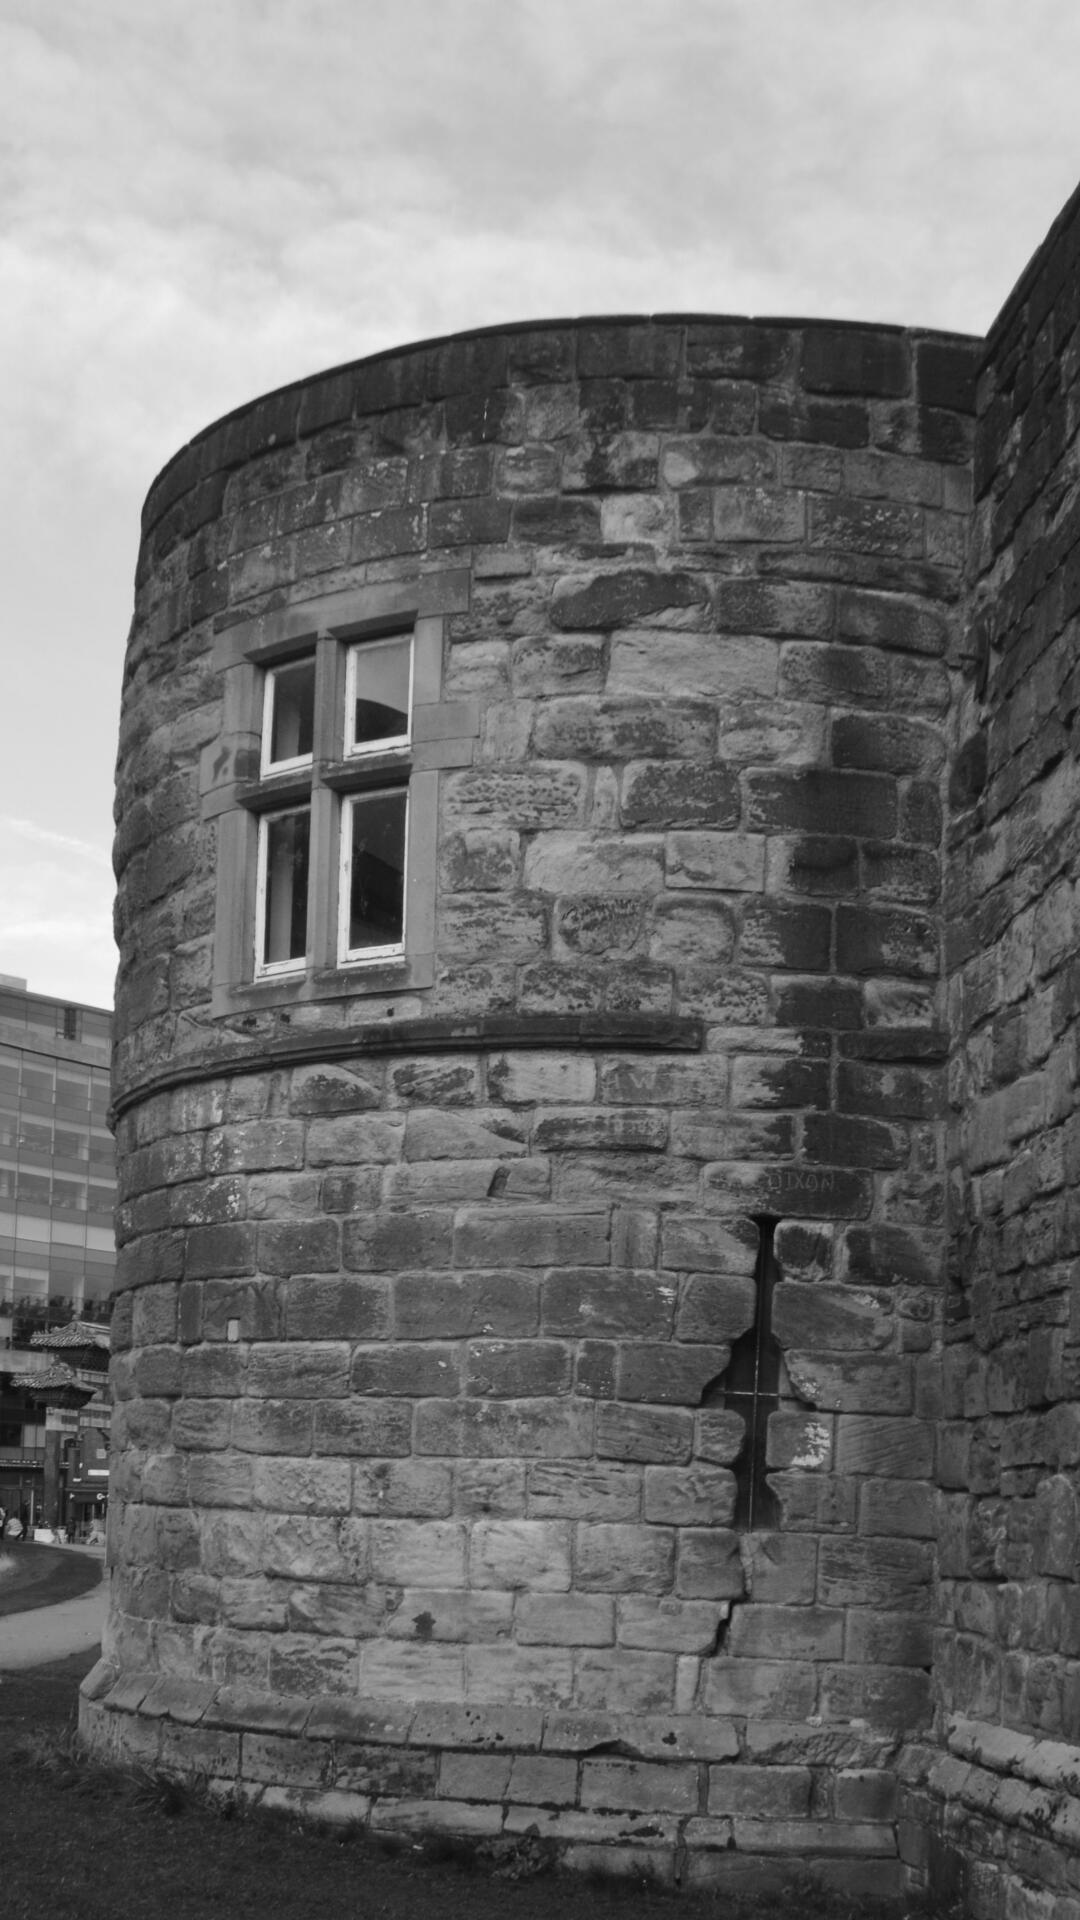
point(202, 199)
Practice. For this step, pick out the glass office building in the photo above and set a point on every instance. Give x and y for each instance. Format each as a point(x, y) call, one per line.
point(57, 1167)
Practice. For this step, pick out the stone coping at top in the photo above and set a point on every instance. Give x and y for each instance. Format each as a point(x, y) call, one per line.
point(158, 498)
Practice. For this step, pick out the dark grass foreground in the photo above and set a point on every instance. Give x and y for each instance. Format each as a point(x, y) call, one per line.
point(86, 1843)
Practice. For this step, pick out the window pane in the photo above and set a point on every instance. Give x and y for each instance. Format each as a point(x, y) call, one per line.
point(290, 712)
point(285, 886)
point(72, 1087)
point(70, 1144)
point(378, 693)
point(375, 876)
point(68, 1193)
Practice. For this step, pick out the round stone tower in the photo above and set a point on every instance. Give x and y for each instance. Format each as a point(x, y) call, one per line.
point(528, 1091)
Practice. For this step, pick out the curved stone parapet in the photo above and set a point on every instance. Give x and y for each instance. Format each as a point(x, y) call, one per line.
point(529, 1088)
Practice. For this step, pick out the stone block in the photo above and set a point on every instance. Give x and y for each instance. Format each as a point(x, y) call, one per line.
point(604, 601)
point(780, 1569)
point(328, 1089)
point(661, 795)
point(852, 1384)
point(573, 1490)
point(511, 1554)
point(763, 1689)
point(902, 1508)
point(529, 1237)
point(355, 1140)
point(667, 1374)
point(882, 1256)
point(377, 1243)
point(298, 1371)
point(691, 933)
point(474, 1776)
point(302, 1486)
point(759, 1631)
point(556, 1428)
point(729, 862)
point(866, 1793)
point(800, 1440)
point(621, 1681)
point(781, 934)
point(884, 1574)
point(599, 923)
point(841, 1140)
point(669, 1625)
point(887, 940)
point(594, 865)
point(829, 1193)
point(213, 1252)
point(648, 1434)
point(436, 1306)
point(320, 1308)
point(381, 1428)
point(823, 1318)
point(815, 1502)
point(710, 1564)
point(256, 1146)
point(514, 1369)
point(399, 1671)
point(201, 1424)
point(719, 1435)
point(887, 1639)
point(614, 1557)
point(409, 1370)
point(761, 1793)
point(274, 1426)
point(641, 1786)
point(529, 1676)
point(704, 1243)
point(340, 1611)
point(219, 1480)
point(690, 1496)
point(820, 801)
point(564, 1619)
point(596, 1301)
point(537, 1780)
point(885, 1697)
point(435, 1613)
point(842, 360)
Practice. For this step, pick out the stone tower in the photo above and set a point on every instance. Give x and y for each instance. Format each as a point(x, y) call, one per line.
point(531, 1092)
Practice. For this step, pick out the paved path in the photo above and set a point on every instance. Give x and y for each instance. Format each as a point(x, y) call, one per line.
point(46, 1632)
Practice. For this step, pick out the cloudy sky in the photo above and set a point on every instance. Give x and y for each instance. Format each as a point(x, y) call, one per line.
point(202, 199)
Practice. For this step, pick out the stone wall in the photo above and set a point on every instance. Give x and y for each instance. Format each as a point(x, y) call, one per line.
point(998, 1811)
point(427, 1501)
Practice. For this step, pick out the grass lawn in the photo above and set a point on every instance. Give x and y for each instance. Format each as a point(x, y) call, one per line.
point(83, 1843)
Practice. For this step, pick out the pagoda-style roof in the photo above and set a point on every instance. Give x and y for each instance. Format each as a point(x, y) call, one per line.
point(56, 1385)
point(84, 1342)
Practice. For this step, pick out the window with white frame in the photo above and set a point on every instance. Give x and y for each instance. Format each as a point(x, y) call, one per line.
point(325, 791)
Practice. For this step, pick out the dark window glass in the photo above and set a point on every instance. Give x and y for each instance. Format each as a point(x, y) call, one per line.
point(375, 854)
point(70, 1194)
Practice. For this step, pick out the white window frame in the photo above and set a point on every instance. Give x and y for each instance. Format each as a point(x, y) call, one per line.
point(389, 743)
point(361, 956)
point(298, 761)
point(274, 969)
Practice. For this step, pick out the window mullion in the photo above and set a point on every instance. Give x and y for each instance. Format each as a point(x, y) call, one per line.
point(323, 894)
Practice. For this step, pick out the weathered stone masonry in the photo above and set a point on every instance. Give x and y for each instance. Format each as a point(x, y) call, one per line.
point(431, 1486)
